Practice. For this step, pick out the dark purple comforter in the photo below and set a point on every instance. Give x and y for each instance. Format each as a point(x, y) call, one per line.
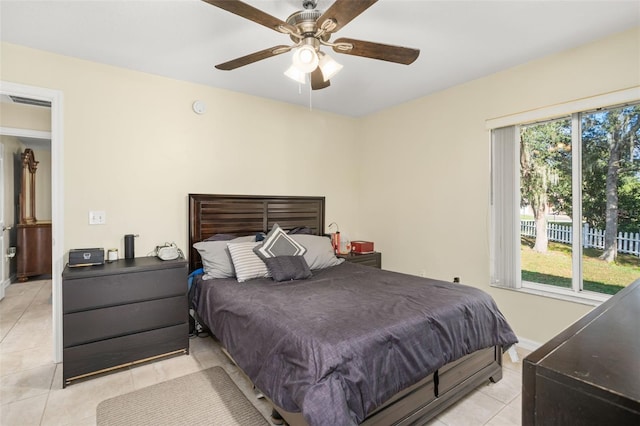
point(341, 343)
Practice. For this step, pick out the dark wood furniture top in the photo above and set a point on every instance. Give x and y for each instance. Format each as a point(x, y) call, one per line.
point(590, 373)
point(369, 259)
point(123, 313)
point(245, 215)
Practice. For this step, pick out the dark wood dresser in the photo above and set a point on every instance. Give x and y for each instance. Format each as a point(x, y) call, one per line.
point(590, 373)
point(370, 259)
point(123, 313)
point(33, 249)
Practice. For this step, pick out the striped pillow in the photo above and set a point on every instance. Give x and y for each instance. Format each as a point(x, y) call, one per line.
point(246, 263)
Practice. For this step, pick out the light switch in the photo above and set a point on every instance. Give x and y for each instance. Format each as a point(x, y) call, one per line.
point(97, 218)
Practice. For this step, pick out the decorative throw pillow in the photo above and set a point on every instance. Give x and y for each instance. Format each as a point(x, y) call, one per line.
point(278, 243)
point(319, 254)
point(246, 263)
point(216, 260)
point(287, 268)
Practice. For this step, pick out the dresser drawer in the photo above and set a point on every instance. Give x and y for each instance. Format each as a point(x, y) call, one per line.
point(112, 353)
point(97, 324)
point(126, 287)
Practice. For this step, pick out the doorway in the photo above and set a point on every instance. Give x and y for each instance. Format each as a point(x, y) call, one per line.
point(55, 97)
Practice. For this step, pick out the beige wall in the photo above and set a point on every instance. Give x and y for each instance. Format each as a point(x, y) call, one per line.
point(426, 168)
point(134, 148)
point(419, 188)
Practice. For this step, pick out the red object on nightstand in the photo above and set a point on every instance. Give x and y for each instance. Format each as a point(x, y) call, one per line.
point(362, 247)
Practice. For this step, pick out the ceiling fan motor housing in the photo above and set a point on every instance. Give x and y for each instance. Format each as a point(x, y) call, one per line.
point(305, 22)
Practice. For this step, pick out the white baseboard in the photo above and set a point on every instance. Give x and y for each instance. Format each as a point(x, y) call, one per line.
point(527, 344)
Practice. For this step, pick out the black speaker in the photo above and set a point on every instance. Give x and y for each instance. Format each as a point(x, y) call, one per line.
point(129, 250)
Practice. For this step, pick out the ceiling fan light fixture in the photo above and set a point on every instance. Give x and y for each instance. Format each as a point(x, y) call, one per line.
point(295, 74)
point(305, 58)
point(329, 66)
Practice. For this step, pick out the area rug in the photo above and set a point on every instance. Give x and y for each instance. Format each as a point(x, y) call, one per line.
point(208, 397)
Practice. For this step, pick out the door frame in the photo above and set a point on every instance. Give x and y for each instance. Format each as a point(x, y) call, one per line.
point(57, 196)
point(3, 258)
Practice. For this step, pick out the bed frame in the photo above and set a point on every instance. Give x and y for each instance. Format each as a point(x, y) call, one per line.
point(250, 214)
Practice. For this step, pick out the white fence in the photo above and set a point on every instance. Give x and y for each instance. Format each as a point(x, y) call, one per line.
point(628, 242)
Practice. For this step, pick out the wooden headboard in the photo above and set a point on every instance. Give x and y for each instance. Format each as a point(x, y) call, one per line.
point(247, 215)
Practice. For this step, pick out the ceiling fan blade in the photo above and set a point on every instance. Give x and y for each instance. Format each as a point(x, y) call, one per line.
point(253, 57)
point(384, 52)
point(249, 12)
point(317, 80)
point(344, 11)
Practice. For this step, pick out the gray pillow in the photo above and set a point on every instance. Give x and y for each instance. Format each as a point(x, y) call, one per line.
point(287, 268)
point(216, 260)
point(319, 254)
point(278, 243)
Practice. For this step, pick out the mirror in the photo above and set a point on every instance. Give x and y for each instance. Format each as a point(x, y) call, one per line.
point(28, 189)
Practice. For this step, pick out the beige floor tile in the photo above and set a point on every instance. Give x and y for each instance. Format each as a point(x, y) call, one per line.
point(163, 370)
point(57, 378)
point(208, 353)
point(26, 383)
point(511, 415)
point(16, 341)
point(20, 289)
point(507, 389)
point(25, 412)
point(475, 409)
point(517, 365)
point(13, 362)
point(6, 324)
point(78, 401)
point(435, 422)
point(18, 303)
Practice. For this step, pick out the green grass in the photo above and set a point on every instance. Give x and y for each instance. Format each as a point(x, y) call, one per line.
point(554, 268)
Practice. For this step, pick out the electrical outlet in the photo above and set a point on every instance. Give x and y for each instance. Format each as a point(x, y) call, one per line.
point(97, 218)
point(456, 279)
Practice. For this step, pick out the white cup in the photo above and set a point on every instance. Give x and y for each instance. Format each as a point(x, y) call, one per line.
point(112, 254)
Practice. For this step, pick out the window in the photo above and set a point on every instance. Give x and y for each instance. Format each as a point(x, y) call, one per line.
point(566, 203)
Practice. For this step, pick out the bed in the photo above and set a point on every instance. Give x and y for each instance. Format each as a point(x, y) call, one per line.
point(348, 344)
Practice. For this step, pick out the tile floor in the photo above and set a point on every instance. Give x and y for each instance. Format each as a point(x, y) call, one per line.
point(31, 384)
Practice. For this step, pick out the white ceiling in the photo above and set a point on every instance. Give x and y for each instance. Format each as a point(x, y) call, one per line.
point(183, 39)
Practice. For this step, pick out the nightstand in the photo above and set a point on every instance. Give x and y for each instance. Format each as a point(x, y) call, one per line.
point(370, 259)
point(122, 313)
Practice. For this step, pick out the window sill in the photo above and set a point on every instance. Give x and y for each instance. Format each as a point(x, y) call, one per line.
point(584, 298)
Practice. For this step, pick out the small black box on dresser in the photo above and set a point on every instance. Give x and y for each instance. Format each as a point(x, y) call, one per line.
point(122, 313)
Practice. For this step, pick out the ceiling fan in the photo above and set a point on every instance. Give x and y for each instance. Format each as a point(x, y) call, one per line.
point(309, 29)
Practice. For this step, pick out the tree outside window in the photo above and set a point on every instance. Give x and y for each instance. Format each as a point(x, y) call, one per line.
point(609, 150)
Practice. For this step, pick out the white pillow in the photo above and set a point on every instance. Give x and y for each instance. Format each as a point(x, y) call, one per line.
point(216, 260)
point(247, 264)
point(319, 254)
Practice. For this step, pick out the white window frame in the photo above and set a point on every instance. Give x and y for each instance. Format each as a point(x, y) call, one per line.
point(510, 261)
